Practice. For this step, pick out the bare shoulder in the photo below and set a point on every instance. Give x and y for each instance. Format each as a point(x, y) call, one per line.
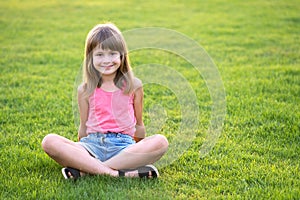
point(137, 83)
point(81, 89)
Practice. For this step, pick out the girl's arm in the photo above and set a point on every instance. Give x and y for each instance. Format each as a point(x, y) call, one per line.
point(140, 132)
point(83, 111)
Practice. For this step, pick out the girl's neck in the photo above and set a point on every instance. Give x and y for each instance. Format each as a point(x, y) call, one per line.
point(108, 78)
point(108, 83)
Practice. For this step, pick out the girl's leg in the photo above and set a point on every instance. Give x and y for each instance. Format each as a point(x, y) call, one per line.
point(71, 154)
point(147, 151)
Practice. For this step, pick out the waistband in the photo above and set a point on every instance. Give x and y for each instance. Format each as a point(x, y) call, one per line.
point(107, 134)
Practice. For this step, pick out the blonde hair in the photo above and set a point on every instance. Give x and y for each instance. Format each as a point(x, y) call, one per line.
point(107, 36)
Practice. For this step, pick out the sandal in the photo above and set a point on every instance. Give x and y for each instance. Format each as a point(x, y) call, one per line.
point(143, 172)
point(75, 173)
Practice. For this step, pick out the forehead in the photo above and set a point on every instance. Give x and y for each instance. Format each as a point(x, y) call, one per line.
point(99, 48)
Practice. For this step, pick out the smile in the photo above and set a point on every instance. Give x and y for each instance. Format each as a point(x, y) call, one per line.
point(108, 66)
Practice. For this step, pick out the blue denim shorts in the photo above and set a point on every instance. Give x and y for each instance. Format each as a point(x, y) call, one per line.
point(104, 146)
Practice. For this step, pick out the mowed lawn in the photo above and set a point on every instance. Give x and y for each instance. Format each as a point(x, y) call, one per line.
point(255, 47)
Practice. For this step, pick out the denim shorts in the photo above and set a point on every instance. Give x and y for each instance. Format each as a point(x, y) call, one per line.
point(104, 146)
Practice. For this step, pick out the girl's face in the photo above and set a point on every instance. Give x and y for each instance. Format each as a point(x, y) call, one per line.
point(106, 61)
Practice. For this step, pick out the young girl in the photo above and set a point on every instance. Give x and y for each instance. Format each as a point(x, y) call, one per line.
point(110, 99)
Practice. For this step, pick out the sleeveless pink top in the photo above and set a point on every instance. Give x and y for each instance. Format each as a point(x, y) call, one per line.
point(111, 112)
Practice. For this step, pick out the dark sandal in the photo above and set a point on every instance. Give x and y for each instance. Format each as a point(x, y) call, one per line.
point(74, 172)
point(143, 172)
point(121, 173)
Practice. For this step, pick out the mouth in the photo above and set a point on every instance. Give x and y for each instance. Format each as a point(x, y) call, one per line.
point(107, 66)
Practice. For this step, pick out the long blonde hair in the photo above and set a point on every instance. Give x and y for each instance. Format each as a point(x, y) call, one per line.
point(107, 36)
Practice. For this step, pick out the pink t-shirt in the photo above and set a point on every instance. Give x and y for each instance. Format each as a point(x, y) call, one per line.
point(111, 112)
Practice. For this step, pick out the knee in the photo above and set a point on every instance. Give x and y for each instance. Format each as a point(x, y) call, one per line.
point(162, 141)
point(48, 142)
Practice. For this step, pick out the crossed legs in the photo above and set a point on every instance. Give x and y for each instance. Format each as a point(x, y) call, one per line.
point(147, 151)
point(71, 154)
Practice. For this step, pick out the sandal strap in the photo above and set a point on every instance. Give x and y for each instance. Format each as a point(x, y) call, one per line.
point(121, 173)
point(74, 172)
point(144, 171)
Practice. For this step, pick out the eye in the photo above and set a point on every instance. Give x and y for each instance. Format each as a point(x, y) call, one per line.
point(114, 53)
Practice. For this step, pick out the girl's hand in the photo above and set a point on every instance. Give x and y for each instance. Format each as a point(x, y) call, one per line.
point(137, 139)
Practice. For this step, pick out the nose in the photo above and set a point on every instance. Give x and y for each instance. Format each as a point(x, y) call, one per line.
point(107, 59)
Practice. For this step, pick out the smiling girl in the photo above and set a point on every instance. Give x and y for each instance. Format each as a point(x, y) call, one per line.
point(111, 136)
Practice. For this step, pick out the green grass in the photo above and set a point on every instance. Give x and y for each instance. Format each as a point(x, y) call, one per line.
point(255, 46)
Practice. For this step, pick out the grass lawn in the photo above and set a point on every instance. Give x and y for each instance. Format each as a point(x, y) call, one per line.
point(255, 46)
